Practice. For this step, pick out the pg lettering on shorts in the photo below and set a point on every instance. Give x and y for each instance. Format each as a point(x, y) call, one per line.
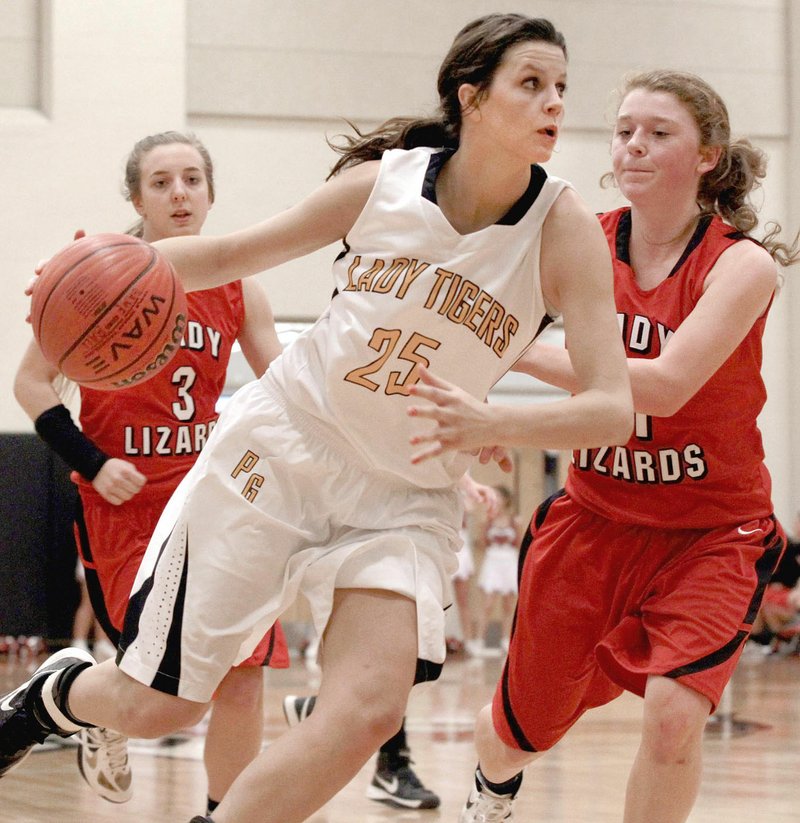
point(254, 482)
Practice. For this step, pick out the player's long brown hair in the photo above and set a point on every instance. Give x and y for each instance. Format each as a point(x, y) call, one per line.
point(473, 58)
point(725, 190)
point(133, 166)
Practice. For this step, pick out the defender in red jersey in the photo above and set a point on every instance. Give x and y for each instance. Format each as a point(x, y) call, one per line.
point(136, 444)
point(645, 574)
point(693, 469)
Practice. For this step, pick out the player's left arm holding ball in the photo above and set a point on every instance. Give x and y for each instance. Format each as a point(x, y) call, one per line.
point(116, 480)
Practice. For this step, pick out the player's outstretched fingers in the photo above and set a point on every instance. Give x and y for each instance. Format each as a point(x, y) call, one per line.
point(433, 450)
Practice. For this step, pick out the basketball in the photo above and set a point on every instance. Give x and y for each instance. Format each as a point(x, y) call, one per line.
point(108, 311)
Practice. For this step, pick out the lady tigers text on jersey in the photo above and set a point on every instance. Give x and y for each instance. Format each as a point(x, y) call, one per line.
point(411, 290)
point(455, 297)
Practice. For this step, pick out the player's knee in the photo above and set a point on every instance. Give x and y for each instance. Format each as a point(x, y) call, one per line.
point(242, 689)
point(672, 739)
point(157, 715)
point(375, 720)
point(383, 721)
point(674, 723)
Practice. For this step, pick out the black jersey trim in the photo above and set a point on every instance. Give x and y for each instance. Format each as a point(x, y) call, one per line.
point(93, 587)
point(427, 671)
point(536, 522)
point(513, 215)
point(623, 239)
point(271, 649)
point(716, 658)
point(168, 677)
point(546, 321)
point(343, 253)
point(764, 567)
point(541, 513)
point(513, 725)
point(435, 163)
point(538, 518)
point(697, 237)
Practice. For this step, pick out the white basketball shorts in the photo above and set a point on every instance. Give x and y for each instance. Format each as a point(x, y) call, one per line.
point(277, 504)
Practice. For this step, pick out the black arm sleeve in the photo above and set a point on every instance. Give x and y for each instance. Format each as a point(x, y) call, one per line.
point(57, 428)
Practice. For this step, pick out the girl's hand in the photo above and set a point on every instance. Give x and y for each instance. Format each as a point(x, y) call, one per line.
point(475, 493)
point(118, 481)
point(462, 422)
point(499, 455)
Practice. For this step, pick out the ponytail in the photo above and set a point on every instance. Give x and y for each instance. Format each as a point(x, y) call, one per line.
point(396, 133)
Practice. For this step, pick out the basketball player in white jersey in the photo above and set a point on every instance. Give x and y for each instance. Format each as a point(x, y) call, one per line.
point(458, 249)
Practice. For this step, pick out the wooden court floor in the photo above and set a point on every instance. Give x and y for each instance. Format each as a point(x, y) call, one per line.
point(752, 772)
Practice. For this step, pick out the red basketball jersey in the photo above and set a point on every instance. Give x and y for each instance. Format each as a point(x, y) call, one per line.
point(702, 467)
point(162, 424)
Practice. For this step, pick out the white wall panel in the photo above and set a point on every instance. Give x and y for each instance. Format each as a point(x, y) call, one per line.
point(343, 59)
point(19, 53)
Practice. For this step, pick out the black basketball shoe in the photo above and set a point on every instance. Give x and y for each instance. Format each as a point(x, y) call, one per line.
point(396, 784)
point(24, 717)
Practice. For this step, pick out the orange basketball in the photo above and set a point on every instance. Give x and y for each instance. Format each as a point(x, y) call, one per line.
point(108, 311)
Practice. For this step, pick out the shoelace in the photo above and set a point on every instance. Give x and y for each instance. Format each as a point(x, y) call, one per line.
point(492, 811)
point(116, 746)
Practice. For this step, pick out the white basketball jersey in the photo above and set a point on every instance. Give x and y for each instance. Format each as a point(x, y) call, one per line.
point(410, 289)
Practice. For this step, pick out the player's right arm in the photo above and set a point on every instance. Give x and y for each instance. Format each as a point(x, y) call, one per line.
point(114, 479)
point(325, 216)
point(736, 292)
point(258, 337)
point(577, 280)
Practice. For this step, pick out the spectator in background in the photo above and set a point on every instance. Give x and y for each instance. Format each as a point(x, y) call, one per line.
point(497, 579)
point(474, 495)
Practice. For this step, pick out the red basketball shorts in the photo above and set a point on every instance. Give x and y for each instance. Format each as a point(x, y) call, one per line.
point(604, 605)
